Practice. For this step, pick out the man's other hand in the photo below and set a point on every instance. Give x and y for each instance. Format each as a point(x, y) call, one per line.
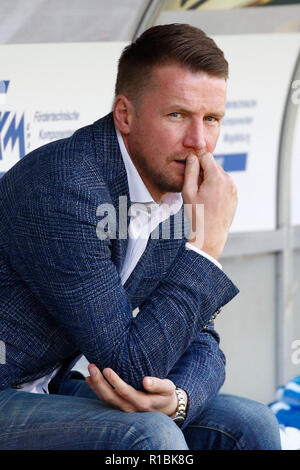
point(108, 386)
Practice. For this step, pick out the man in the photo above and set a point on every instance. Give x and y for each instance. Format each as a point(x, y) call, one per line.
point(69, 285)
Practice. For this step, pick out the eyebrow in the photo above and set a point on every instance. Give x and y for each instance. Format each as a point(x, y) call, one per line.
point(218, 114)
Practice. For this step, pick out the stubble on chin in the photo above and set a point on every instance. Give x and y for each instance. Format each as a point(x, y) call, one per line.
point(166, 185)
point(163, 180)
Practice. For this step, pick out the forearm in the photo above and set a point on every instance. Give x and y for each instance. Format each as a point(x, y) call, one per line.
point(201, 373)
point(171, 317)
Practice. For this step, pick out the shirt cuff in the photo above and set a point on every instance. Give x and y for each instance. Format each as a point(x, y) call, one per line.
point(189, 246)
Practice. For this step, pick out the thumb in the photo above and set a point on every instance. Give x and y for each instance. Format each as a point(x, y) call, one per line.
point(156, 385)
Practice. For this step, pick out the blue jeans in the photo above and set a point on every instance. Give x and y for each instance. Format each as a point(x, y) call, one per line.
point(76, 419)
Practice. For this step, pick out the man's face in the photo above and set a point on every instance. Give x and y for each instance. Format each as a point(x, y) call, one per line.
point(177, 115)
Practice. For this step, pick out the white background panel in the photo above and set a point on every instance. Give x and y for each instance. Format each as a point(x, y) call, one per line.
point(73, 78)
point(260, 71)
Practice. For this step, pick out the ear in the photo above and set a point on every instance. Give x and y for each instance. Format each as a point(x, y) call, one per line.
point(123, 112)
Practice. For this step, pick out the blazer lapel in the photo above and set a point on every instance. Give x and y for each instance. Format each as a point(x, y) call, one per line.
point(139, 272)
point(112, 169)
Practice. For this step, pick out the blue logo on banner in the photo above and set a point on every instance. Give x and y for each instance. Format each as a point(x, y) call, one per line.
point(4, 86)
point(232, 162)
point(14, 132)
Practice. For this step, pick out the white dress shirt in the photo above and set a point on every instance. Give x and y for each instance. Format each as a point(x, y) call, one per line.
point(145, 216)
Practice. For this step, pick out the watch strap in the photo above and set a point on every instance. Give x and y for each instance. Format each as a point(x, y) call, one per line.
point(181, 408)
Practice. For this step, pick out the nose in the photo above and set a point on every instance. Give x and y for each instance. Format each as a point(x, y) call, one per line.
point(194, 137)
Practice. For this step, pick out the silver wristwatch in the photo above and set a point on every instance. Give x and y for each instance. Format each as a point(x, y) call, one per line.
point(181, 408)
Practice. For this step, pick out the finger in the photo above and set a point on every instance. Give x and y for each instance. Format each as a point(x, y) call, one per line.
point(160, 386)
point(104, 391)
point(139, 401)
point(125, 390)
point(221, 169)
point(208, 163)
point(201, 176)
point(100, 385)
point(191, 175)
point(109, 396)
point(97, 380)
point(95, 373)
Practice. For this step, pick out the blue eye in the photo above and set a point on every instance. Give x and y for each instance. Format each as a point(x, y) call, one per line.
point(176, 115)
point(210, 118)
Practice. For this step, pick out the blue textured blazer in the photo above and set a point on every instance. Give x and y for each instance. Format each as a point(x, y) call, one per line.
point(60, 288)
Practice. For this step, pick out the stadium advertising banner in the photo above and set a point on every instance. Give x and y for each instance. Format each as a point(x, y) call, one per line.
point(47, 91)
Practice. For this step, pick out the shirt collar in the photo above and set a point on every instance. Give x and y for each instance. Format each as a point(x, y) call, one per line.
point(137, 188)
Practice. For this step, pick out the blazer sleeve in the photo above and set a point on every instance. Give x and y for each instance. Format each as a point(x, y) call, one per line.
point(200, 372)
point(58, 255)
